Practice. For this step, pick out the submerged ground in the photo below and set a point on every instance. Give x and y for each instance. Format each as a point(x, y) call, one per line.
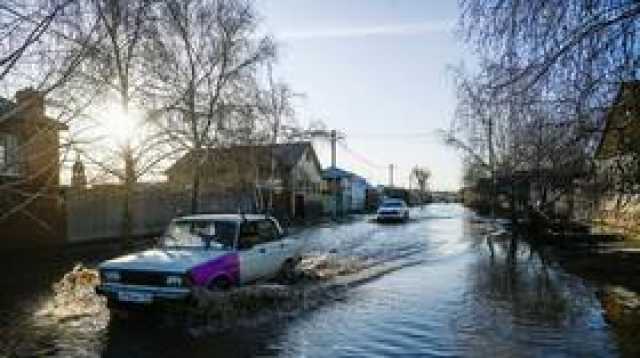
point(447, 283)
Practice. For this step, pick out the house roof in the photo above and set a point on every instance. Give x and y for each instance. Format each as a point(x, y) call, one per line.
point(286, 155)
point(10, 107)
point(336, 173)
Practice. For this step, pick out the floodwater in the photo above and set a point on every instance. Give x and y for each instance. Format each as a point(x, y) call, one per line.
point(445, 284)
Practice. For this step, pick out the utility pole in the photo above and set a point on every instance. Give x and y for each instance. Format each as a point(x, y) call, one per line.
point(337, 181)
point(334, 139)
point(411, 177)
point(391, 175)
point(274, 139)
point(334, 136)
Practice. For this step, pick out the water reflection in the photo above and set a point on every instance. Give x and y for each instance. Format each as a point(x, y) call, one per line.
point(445, 284)
point(519, 301)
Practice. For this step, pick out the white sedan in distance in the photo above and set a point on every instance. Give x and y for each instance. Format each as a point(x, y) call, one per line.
point(393, 210)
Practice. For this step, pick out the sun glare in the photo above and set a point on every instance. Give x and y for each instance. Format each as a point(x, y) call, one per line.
point(118, 126)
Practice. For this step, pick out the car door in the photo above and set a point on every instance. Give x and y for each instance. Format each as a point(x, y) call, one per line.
point(289, 247)
point(252, 253)
point(274, 247)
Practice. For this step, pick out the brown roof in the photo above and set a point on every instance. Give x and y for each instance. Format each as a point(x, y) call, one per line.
point(286, 155)
point(10, 108)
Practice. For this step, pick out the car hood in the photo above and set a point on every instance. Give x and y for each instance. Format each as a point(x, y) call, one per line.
point(170, 260)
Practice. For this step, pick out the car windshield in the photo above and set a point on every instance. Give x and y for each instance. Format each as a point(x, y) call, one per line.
point(201, 233)
point(394, 204)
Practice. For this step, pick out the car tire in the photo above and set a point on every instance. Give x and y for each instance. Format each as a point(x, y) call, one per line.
point(288, 274)
point(219, 284)
point(116, 314)
point(119, 312)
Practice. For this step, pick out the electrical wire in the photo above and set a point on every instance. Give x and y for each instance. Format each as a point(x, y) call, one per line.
point(360, 157)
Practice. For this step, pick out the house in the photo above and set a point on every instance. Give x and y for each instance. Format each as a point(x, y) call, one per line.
point(336, 187)
point(344, 191)
point(248, 177)
point(29, 170)
point(29, 141)
point(622, 130)
point(359, 187)
point(618, 153)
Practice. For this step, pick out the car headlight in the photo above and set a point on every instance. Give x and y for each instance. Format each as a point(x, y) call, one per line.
point(111, 276)
point(174, 281)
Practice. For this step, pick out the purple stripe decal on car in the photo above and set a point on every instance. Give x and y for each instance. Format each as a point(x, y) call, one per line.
point(227, 266)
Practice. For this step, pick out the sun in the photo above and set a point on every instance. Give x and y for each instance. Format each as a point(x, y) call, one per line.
point(119, 126)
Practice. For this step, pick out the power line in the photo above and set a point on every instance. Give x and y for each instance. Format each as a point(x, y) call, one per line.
point(433, 135)
point(361, 157)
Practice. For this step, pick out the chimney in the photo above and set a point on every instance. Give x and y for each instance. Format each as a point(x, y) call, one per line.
point(30, 103)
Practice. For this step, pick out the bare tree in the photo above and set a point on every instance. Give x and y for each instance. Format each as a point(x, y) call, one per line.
point(125, 26)
point(203, 63)
point(22, 25)
point(422, 176)
point(276, 106)
point(45, 46)
point(549, 70)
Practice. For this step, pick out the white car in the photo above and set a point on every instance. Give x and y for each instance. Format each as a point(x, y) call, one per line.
point(393, 210)
point(211, 251)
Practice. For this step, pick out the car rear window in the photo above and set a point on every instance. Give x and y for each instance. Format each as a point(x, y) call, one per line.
point(393, 205)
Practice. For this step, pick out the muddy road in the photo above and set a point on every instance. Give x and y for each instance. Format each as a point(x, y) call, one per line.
point(434, 286)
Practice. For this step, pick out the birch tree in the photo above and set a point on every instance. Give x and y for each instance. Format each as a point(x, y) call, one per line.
point(204, 61)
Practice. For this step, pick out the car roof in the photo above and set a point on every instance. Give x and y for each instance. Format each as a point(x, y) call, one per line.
point(392, 200)
point(222, 217)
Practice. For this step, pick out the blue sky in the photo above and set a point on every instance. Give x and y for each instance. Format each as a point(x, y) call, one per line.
point(377, 71)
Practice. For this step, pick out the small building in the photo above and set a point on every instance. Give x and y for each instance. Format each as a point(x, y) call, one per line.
point(30, 206)
point(345, 192)
point(288, 174)
point(618, 153)
point(336, 187)
point(373, 197)
point(359, 187)
point(619, 148)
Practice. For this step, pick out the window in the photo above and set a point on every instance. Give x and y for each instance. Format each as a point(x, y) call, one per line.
point(248, 235)
point(8, 154)
point(267, 231)
point(257, 232)
point(198, 233)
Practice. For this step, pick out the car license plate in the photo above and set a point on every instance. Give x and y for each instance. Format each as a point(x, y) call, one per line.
point(137, 297)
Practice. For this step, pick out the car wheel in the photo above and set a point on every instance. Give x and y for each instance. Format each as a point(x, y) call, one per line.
point(219, 284)
point(116, 314)
point(288, 273)
point(119, 312)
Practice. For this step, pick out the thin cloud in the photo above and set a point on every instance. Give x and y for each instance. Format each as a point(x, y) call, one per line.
point(356, 32)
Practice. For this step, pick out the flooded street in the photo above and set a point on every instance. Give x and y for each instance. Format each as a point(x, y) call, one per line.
point(431, 287)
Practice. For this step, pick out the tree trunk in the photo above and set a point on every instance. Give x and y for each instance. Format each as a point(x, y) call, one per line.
point(127, 217)
point(195, 190)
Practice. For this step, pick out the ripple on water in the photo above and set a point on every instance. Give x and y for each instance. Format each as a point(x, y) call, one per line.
point(427, 288)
